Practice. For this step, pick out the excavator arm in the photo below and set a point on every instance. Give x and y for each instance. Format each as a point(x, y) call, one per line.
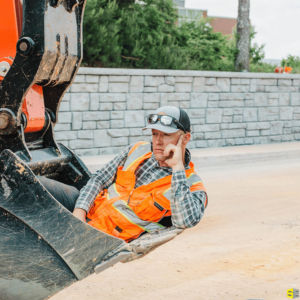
point(43, 247)
point(47, 54)
point(38, 66)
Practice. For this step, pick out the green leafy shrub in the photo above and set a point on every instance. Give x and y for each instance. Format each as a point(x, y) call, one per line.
point(256, 52)
point(148, 36)
point(261, 67)
point(206, 49)
point(292, 61)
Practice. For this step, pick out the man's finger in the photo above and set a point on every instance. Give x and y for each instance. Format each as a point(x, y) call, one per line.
point(169, 148)
point(180, 141)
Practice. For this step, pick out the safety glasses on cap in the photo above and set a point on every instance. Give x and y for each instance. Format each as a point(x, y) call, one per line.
point(164, 120)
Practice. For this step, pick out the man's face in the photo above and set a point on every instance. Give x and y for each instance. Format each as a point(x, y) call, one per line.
point(160, 140)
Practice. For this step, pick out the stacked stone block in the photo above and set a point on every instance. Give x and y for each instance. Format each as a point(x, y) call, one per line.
point(101, 114)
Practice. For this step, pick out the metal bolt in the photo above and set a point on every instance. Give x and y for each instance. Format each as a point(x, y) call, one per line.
point(4, 121)
point(3, 69)
point(23, 46)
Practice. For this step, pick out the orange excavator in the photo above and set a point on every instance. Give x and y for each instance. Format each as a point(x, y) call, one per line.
point(43, 247)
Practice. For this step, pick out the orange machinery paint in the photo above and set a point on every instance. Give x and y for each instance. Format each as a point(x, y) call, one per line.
point(10, 31)
point(34, 109)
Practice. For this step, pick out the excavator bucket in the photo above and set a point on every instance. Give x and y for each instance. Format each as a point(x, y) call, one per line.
point(43, 247)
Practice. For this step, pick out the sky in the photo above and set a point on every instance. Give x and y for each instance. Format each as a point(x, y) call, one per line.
point(277, 22)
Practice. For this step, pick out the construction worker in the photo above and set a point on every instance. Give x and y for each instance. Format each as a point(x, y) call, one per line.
point(145, 187)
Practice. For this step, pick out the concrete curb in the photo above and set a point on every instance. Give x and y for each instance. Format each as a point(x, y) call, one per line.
point(216, 157)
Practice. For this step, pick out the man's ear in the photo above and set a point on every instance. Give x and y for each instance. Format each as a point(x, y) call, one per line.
point(186, 138)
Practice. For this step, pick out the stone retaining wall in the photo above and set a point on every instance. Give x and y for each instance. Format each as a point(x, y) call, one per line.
point(105, 109)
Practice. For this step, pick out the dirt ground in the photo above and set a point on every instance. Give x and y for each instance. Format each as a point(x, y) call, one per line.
point(247, 246)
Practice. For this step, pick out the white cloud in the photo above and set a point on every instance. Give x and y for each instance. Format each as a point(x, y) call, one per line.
point(277, 22)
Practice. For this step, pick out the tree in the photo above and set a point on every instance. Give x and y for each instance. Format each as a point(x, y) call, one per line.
point(243, 36)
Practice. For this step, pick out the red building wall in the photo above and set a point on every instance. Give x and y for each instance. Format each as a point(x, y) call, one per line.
point(224, 25)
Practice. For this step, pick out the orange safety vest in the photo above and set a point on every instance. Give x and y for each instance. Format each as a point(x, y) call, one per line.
point(126, 212)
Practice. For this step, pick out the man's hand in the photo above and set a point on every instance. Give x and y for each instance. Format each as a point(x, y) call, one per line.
point(174, 154)
point(80, 214)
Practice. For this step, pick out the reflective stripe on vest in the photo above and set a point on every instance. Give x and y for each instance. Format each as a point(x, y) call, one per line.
point(122, 207)
point(138, 153)
point(112, 192)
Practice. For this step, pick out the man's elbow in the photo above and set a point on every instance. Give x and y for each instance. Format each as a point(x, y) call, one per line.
point(182, 226)
point(187, 223)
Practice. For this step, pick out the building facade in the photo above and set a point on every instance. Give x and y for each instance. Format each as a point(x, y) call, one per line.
point(219, 24)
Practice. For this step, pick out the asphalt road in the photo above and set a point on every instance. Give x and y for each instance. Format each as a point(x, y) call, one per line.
point(247, 246)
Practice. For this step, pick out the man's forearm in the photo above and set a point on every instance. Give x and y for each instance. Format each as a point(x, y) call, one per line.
point(178, 167)
point(187, 208)
point(89, 193)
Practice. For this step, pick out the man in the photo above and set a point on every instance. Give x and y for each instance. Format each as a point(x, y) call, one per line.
point(146, 187)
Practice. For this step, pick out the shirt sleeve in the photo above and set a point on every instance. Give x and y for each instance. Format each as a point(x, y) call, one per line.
point(100, 180)
point(187, 207)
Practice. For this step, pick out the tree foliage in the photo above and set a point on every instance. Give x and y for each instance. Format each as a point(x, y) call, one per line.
point(206, 49)
point(256, 53)
point(122, 33)
point(101, 33)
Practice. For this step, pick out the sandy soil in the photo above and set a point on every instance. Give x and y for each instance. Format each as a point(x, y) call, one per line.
point(247, 246)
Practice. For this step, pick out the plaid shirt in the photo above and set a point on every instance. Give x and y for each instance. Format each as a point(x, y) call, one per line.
point(187, 208)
